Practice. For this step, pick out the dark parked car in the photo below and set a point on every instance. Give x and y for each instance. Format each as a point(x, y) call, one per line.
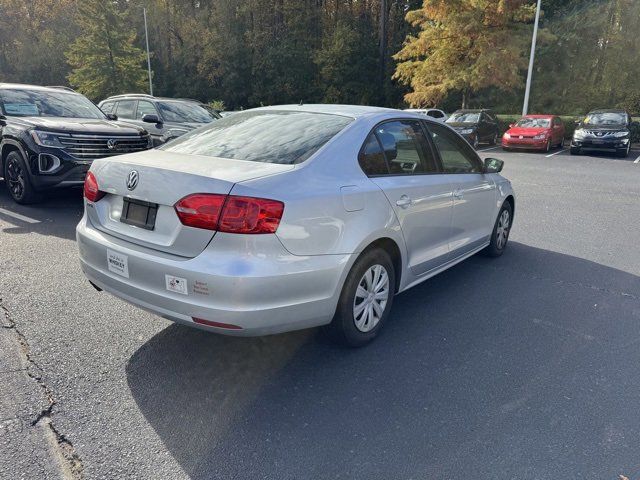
point(477, 126)
point(50, 135)
point(164, 118)
point(605, 131)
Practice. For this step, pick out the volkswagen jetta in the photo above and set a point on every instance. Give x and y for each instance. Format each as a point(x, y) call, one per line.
point(283, 218)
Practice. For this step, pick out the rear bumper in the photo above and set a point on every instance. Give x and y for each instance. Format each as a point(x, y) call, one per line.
point(262, 289)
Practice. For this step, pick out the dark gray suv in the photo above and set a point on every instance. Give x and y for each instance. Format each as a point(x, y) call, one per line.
point(163, 118)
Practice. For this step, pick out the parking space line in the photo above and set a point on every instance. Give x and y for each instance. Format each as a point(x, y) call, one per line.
point(17, 216)
point(487, 149)
point(556, 153)
point(637, 160)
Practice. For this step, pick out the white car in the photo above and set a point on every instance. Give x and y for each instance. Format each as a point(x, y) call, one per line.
point(433, 113)
point(283, 218)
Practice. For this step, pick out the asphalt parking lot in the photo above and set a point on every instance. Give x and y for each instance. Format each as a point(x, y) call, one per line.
point(522, 367)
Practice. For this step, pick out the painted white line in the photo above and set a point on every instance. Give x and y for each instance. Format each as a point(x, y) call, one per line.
point(637, 160)
point(17, 216)
point(556, 153)
point(487, 149)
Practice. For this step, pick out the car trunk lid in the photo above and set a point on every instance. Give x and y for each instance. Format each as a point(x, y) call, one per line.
point(163, 178)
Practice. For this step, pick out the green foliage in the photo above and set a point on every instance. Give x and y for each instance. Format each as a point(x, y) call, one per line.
point(104, 58)
point(217, 105)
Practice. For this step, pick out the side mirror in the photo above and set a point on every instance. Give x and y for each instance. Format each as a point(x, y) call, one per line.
point(511, 125)
point(112, 116)
point(151, 118)
point(493, 165)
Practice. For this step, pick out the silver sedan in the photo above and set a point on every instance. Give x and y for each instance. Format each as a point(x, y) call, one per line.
point(283, 218)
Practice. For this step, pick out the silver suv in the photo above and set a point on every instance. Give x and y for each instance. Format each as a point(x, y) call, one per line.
point(163, 118)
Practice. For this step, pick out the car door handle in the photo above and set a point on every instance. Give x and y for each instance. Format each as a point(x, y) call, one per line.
point(458, 194)
point(404, 201)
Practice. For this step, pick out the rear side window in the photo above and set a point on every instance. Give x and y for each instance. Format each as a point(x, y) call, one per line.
point(269, 136)
point(456, 154)
point(371, 158)
point(126, 109)
point(405, 147)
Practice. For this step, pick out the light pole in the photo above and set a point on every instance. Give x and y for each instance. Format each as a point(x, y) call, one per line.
point(525, 107)
point(146, 36)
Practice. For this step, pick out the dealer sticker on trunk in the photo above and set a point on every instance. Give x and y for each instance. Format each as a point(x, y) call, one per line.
point(118, 263)
point(176, 284)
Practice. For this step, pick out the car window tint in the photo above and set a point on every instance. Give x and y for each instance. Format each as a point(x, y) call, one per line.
point(435, 114)
point(108, 107)
point(371, 158)
point(455, 153)
point(126, 109)
point(405, 148)
point(145, 108)
point(271, 136)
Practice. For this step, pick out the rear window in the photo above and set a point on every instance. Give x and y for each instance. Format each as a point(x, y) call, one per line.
point(262, 136)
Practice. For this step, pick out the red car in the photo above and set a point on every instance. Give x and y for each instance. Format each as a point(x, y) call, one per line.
point(535, 132)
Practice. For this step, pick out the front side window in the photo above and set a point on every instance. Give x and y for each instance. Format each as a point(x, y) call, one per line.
point(126, 109)
point(455, 153)
point(108, 107)
point(144, 108)
point(269, 136)
point(43, 103)
point(405, 147)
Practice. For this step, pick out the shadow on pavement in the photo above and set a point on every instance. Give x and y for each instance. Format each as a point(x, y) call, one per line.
point(56, 215)
point(520, 367)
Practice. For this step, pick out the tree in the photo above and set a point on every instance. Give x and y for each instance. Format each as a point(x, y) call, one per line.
point(464, 46)
point(104, 58)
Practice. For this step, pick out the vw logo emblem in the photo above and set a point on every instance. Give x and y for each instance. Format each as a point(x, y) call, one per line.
point(112, 144)
point(132, 180)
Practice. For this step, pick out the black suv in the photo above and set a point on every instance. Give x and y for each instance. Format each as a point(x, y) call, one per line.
point(164, 118)
point(605, 131)
point(50, 135)
point(477, 126)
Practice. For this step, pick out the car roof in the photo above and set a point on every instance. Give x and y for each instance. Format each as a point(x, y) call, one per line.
point(477, 110)
point(24, 86)
point(608, 110)
point(353, 111)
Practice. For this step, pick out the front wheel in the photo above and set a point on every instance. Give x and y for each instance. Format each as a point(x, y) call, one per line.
point(365, 301)
point(17, 179)
point(501, 230)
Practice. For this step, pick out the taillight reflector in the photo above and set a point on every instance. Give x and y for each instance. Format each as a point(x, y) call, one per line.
point(209, 323)
point(230, 213)
point(91, 190)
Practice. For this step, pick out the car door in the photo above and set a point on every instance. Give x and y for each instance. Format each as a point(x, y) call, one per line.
point(398, 157)
point(483, 127)
point(558, 130)
point(474, 193)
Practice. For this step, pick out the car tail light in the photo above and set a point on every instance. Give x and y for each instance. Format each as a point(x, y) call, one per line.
point(230, 213)
point(200, 210)
point(91, 190)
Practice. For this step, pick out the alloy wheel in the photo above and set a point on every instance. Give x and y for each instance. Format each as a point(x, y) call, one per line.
point(371, 298)
point(15, 178)
point(502, 232)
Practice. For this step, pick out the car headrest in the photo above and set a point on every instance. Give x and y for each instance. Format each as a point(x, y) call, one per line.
point(388, 145)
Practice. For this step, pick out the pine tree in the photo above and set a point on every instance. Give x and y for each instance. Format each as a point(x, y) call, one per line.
point(104, 58)
point(464, 46)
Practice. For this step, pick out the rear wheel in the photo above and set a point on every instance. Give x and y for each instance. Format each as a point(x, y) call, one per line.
point(561, 142)
point(501, 230)
point(574, 151)
point(365, 301)
point(16, 177)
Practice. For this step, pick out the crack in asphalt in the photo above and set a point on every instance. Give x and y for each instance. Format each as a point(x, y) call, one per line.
point(65, 449)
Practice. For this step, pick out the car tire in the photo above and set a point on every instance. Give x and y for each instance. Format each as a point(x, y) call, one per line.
point(624, 153)
point(500, 232)
point(506, 149)
point(547, 148)
point(357, 320)
point(574, 151)
point(16, 176)
point(494, 140)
